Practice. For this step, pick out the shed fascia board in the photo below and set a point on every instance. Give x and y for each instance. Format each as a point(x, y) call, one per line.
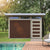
point(24, 14)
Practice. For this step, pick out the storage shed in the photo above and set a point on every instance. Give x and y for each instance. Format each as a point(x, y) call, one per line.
point(25, 25)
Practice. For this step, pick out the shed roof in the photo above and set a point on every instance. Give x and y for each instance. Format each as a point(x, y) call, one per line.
point(24, 14)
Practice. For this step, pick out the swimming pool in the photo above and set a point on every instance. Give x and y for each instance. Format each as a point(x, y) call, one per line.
point(17, 46)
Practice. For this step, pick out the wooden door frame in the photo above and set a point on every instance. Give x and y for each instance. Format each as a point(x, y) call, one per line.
point(9, 28)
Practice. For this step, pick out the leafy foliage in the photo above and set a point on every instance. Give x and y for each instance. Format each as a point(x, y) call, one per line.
point(25, 6)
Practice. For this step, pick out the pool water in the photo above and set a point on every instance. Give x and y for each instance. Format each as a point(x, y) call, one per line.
point(17, 46)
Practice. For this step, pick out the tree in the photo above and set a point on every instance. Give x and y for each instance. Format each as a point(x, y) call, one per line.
point(2, 23)
point(25, 6)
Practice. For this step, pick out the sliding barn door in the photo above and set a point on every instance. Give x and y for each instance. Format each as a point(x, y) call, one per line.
point(36, 28)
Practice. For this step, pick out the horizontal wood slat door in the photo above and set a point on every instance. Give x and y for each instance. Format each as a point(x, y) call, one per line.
point(19, 29)
point(36, 28)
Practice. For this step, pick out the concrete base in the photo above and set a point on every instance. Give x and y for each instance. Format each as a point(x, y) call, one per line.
point(36, 39)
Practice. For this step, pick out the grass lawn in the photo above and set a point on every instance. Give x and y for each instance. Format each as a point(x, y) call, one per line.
point(4, 38)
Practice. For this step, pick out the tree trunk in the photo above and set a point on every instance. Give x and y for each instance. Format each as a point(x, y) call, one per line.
point(2, 29)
